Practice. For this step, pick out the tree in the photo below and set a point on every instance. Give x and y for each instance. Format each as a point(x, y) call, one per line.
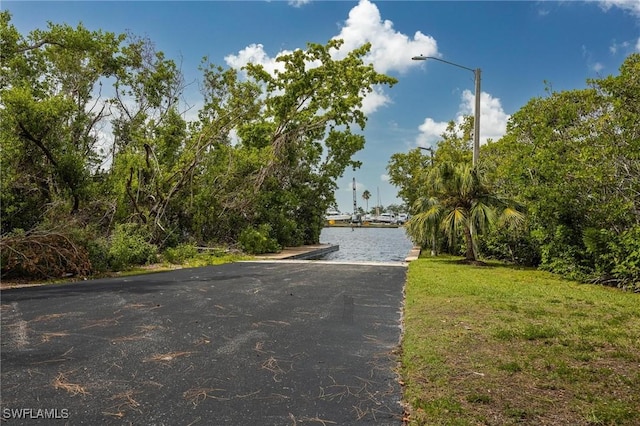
point(159, 161)
point(307, 132)
point(573, 158)
point(93, 136)
point(407, 171)
point(458, 202)
point(365, 196)
point(50, 86)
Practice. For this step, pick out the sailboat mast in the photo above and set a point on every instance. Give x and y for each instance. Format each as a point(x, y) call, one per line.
point(355, 205)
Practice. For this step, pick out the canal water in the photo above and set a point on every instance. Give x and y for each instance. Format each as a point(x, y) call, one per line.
point(367, 244)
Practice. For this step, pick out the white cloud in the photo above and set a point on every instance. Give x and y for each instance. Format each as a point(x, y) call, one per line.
point(430, 132)
point(385, 178)
point(543, 12)
point(613, 49)
point(493, 120)
point(255, 54)
point(631, 6)
point(233, 137)
point(625, 47)
point(298, 3)
point(390, 49)
point(374, 100)
point(593, 65)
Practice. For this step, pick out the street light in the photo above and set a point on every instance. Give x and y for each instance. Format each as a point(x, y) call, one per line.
point(428, 148)
point(476, 119)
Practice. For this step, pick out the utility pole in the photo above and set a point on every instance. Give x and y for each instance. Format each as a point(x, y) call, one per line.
point(476, 119)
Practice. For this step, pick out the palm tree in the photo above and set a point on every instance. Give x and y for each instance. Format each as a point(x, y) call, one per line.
point(365, 196)
point(459, 201)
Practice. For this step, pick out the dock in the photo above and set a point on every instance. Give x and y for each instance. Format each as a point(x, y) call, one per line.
point(363, 225)
point(308, 252)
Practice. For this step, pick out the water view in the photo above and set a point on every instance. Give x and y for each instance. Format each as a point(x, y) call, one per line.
point(367, 244)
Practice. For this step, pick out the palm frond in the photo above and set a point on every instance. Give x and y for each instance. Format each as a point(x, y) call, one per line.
point(483, 216)
point(452, 222)
point(511, 217)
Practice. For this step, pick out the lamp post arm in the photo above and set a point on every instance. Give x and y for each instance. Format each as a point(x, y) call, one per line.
point(428, 148)
point(423, 58)
point(476, 121)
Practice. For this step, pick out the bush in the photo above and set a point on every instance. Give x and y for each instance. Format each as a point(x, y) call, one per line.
point(258, 241)
point(98, 250)
point(616, 257)
point(179, 254)
point(563, 252)
point(129, 247)
point(627, 265)
point(514, 247)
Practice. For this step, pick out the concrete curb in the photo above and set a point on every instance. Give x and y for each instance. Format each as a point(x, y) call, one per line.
point(413, 254)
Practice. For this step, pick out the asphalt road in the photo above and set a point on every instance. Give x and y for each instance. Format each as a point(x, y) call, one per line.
point(240, 344)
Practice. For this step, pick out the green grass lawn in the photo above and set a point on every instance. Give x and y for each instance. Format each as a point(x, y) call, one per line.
point(500, 345)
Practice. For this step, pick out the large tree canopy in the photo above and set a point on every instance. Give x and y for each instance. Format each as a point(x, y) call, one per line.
point(574, 159)
point(94, 135)
point(50, 116)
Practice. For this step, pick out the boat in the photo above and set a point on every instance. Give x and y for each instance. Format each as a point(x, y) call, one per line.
point(403, 218)
point(334, 216)
point(389, 218)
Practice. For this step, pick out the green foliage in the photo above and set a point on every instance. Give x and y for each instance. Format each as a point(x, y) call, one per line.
point(129, 246)
point(180, 253)
point(258, 240)
point(616, 257)
point(627, 259)
point(514, 246)
point(49, 115)
point(407, 171)
point(305, 136)
point(573, 160)
point(98, 252)
point(458, 202)
point(178, 181)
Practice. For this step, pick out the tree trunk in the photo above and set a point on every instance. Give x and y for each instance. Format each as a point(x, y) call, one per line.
point(471, 255)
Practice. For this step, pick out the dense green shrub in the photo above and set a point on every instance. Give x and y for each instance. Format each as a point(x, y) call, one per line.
point(514, 247)
point(179, 254)
point(258, 240)
point(130, 247)
point(98, 250)
point(563, 252)
point(627, 262)
point(616, 257)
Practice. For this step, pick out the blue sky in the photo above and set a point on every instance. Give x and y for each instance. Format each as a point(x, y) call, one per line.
point(518, 45)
